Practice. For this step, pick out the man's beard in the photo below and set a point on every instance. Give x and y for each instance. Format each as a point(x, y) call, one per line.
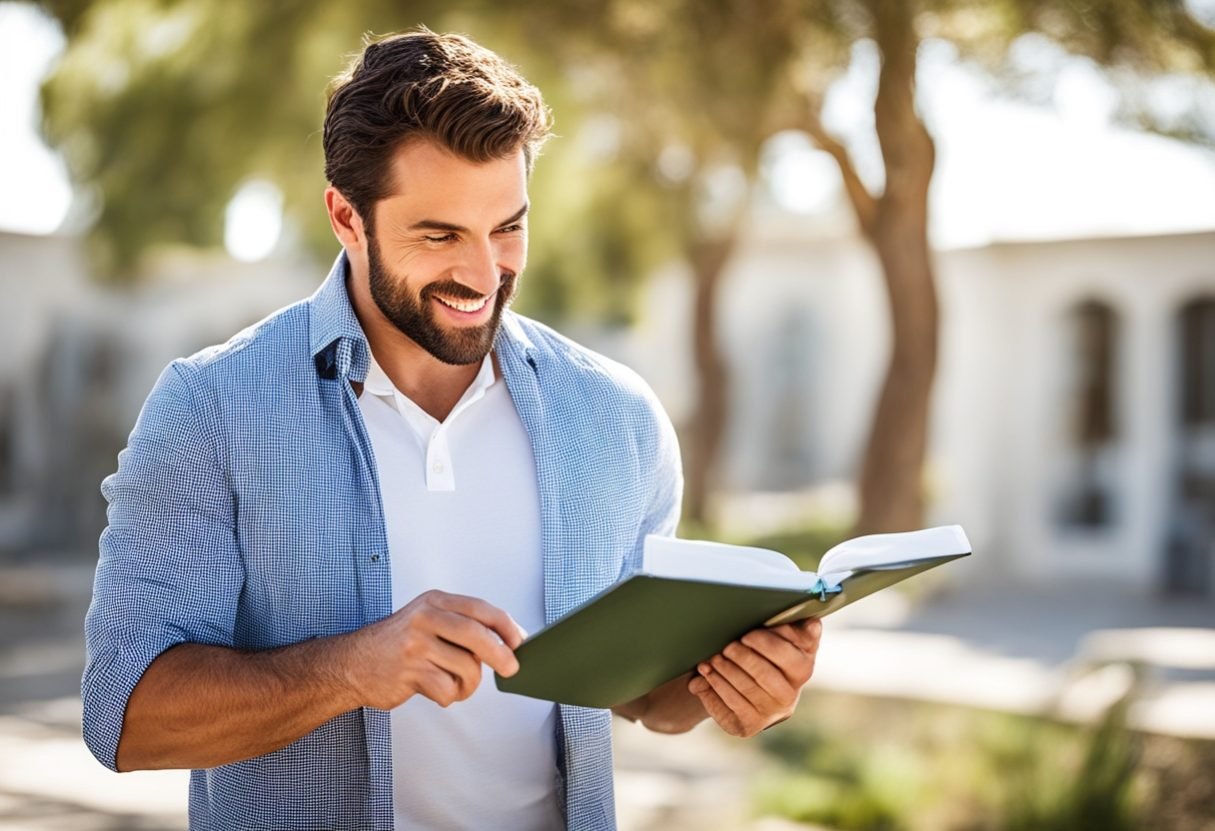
point(414, 315)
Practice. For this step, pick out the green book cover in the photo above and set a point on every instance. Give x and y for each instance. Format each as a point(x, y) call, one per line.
point(691, 598)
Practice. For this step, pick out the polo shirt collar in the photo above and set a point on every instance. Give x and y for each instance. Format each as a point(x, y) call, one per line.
point(379, 384)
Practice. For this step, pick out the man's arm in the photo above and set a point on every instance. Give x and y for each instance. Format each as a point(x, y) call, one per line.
point(200, 706)
point(750, 685)
point(755, 681)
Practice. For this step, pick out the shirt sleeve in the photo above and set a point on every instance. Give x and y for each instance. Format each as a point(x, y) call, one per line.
point(667, 502)
point(169, 570)
point(666, 499)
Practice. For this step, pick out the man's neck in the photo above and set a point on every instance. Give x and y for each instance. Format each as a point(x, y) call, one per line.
point(434, 386)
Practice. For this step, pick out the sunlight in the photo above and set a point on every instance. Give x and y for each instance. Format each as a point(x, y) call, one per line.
point(253, 221)
point(34, 177)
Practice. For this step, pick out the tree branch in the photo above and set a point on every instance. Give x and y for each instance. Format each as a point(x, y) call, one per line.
point(864, 204)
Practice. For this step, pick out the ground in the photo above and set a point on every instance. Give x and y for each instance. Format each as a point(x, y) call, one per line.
point(1000, 647)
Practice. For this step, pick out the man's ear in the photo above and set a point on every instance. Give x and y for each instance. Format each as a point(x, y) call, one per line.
point(345, 220)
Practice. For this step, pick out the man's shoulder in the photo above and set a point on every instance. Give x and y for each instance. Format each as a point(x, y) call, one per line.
point(273, 345)
point(582, 370)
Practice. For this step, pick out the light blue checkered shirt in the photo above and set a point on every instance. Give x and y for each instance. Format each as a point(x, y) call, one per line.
point(246, 513)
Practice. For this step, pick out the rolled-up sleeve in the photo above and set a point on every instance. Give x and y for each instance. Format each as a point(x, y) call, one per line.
point(169, 570)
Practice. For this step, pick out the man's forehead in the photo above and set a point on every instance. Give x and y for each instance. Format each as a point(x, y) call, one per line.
point(422, 165)
point(429, 181)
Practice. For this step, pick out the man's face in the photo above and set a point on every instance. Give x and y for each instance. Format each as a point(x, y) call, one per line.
point(447, 248)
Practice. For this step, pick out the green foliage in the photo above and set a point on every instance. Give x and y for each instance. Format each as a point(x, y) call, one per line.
point(164, 108)
point(864, 765)
point(1099, 797)
point(834, 783)
point(805, 545)
point(593, 244)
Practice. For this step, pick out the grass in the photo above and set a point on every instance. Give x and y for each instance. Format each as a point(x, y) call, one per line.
point(858, 764)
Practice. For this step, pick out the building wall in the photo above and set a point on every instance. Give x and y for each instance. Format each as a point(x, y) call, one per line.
point(1012, 303)
point(81, 358)
point(805, 333)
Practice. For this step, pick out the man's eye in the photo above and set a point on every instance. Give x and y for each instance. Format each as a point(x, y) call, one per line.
point(441, 238)
point(510, 229)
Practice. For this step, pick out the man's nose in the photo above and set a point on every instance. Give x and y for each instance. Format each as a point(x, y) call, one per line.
point(481, 271)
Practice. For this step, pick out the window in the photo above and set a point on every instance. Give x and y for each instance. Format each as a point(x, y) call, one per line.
point(1190, 550)
point(1198, 364)
point(1091, 429)
point(8, 442)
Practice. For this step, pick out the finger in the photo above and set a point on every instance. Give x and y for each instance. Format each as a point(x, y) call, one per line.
point(729, 694)
point(440, 687)
point(773, 678)
point(779, 651)
point(747, 685)
point(472, 635)
point(459, 663)
point(489, 616)
point(714, 706)
point(804, 634)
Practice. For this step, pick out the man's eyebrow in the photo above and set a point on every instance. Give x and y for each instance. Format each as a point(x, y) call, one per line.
point(438, 225)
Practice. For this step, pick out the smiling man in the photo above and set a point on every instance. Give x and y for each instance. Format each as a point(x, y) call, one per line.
point(327, 533)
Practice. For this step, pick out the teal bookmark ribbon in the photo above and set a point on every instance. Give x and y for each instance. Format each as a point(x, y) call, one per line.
point(822, 590)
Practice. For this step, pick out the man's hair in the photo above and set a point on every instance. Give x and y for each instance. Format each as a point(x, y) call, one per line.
point(422, 85)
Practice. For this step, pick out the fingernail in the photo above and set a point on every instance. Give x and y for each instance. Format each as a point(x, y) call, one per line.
point(704, 669)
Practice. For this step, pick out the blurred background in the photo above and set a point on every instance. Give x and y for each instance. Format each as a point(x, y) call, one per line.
point(887, 263)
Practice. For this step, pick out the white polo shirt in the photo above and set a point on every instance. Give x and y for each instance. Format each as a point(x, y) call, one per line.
point(462, 512)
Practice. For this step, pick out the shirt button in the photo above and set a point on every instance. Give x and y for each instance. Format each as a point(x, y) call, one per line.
point(437, 467)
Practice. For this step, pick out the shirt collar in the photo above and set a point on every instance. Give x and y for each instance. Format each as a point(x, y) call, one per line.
point(336, 340)
point(379, 384)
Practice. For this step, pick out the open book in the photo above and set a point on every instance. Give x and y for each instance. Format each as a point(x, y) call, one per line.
point(690, 598)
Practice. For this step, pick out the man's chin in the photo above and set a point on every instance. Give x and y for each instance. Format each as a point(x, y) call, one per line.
point(463, 346)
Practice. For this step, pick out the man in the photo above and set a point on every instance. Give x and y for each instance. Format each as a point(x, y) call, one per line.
point(326, 533)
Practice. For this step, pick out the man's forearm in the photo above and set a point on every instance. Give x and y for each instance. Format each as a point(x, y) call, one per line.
point(666, 709)
point(201, 706)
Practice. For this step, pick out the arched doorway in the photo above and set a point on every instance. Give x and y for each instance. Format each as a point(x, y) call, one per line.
point(1087, 498)
point(1190, 551)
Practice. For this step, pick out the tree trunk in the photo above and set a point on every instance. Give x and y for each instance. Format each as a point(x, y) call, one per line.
point(891, 477)
point(708, 260)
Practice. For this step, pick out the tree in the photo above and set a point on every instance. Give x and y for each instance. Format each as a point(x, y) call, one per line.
point(1142, 35)
point(695, 118)
point(737, 72)
point(163, 109)
point(186, 99)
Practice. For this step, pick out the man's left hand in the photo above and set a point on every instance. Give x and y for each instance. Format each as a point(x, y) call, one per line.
point(755, 681)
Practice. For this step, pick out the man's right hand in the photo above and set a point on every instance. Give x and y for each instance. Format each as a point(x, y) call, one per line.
point(433, 646)
point(199, 706)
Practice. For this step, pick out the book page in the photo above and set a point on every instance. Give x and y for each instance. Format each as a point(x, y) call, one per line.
point(722, 563)
point(877, 551)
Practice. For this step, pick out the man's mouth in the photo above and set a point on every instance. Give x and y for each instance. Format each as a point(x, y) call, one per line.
point(466, 306)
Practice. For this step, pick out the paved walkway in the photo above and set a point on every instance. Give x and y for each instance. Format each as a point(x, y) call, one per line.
point(1066, 650)
point(1003, 648)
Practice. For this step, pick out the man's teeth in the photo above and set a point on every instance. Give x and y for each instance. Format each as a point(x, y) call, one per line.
point(465, 305)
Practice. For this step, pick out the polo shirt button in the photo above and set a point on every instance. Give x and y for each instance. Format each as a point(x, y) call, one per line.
point(437, 467)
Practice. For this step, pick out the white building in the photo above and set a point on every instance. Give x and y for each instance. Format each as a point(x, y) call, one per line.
point(1074, 420)
point(1074, 412)
point(80, 359)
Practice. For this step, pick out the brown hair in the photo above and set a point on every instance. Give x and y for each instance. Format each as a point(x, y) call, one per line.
point(419, 84)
